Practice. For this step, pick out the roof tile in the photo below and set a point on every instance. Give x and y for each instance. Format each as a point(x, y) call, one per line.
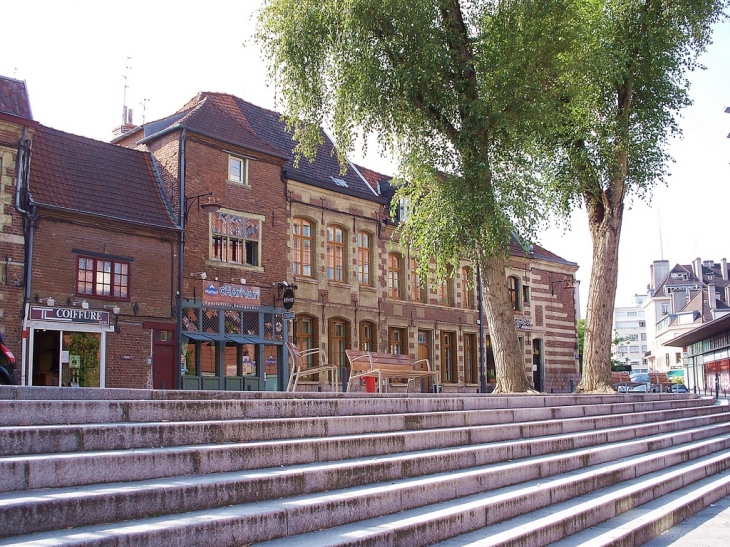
point(93, 177)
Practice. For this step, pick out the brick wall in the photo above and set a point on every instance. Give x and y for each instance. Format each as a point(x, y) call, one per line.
point(152, 283)
point(12, 247)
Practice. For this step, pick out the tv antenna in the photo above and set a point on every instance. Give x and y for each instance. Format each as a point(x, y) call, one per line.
point(144, 109)
point(126, 86)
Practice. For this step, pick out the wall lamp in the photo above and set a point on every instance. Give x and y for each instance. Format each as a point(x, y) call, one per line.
point(282, 285)
point(112, 308)
point(83, 304)
point(209, 206)
point(49, 301)
point(569, 284)
point(199, 275)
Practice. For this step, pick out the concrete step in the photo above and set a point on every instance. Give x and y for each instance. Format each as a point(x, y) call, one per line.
point(652, 519)
point(534, 515)
point(417, 511)
point(37, 412)
point(60, 508)
point(22, 472)
point(39, 439)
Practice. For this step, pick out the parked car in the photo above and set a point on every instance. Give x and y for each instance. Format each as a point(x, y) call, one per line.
point(678, 388)
point(640, 387)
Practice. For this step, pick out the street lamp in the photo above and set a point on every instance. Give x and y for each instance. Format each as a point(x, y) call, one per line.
point(207, 207)
point(568, 284)
point(480, 301)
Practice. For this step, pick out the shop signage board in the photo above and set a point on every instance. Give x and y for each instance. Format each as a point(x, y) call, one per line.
point(69, 315)
point(288, 298)
point(522, 323)
point(231, 294)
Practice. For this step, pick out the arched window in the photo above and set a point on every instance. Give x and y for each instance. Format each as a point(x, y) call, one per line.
point(367, 336)
point(467, 283)
point(335, 253)
point(364, 258)
point(513, 287)
point(339, 341)
point(449, 370)
point(306, 336)
point(446, 291)
point(418, 285)
point(303, 246)
point(395, 276)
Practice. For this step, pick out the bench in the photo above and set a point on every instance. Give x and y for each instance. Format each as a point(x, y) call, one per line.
point(299, 366)
point(387, 365)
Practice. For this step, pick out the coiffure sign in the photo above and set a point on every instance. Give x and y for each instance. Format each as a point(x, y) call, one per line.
point(229, 294)
point(70, 315)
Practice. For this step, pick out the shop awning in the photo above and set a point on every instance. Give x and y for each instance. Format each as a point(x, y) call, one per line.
point(237, 339)
point(202, 337)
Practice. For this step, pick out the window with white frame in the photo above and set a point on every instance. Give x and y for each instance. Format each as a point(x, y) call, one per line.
point(102, 278)
point(236, 238)
point(238, 170)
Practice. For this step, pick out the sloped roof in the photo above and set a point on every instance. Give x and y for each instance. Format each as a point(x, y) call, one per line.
point(669, 282)
point(324, 171)
point(14, 98)
point(82, 175)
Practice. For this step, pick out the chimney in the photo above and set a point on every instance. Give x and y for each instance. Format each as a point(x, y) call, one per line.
point(723, 267)
point(711, 297)
point(658, 271)
point(697, 268)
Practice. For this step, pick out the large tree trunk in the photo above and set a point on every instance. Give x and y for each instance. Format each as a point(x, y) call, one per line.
point(508, 359)
point(604, 221)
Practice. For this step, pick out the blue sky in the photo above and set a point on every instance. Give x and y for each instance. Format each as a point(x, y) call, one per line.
point(74, 55)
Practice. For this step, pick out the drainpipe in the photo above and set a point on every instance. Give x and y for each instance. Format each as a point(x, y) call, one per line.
point(22, 165)
point(180, 261)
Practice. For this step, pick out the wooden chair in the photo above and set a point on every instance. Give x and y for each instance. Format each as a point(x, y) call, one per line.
point(299, 366)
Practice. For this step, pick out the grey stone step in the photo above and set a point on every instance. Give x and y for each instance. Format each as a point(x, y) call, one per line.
point(61, 470)
point(62, 412)
point(628, 528)
point(650, 520)
point(417, 511)
point(535, 515)
point(38, 439)
point(60, 508)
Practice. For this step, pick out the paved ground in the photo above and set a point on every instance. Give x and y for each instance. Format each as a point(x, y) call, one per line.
point(710, 528)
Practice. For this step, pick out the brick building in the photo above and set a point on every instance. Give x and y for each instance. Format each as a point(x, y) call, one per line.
point(16, 130)
point(355, 286)
point(104, 244)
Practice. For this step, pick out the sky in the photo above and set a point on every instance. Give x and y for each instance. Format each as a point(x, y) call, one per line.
point(84, 60)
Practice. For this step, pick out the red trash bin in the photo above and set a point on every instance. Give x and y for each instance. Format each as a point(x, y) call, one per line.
point(369, 384)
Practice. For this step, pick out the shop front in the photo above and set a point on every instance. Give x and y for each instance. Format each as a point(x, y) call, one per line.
point(231, 342)
point(66, 346)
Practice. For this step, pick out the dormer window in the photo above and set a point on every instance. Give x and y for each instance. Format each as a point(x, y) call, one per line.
point(238, 170)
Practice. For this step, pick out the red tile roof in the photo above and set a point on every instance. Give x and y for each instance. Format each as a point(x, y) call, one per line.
point(14, 98)
point(219, 115)
point(86, 176)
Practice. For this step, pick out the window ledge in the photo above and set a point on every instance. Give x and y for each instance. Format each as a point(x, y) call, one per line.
point(233, 265)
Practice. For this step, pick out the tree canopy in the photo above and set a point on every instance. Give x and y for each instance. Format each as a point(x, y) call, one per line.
point(621, 99)
point(462, 91)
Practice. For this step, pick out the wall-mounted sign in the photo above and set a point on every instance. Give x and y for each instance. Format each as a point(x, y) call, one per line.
point(230, 294)
point(287, 298)
point(523, 323)
point(69, 315)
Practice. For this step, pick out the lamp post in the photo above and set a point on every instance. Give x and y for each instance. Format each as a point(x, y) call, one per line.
point(207, 207)
point(480, 300)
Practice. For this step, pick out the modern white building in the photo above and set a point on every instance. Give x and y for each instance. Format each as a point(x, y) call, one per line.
point(679, 300)
point(629, 327)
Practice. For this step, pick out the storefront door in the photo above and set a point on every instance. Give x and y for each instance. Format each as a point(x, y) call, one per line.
point(163, 360)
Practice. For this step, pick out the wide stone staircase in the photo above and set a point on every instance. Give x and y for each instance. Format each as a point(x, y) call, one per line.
point(128, 467)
